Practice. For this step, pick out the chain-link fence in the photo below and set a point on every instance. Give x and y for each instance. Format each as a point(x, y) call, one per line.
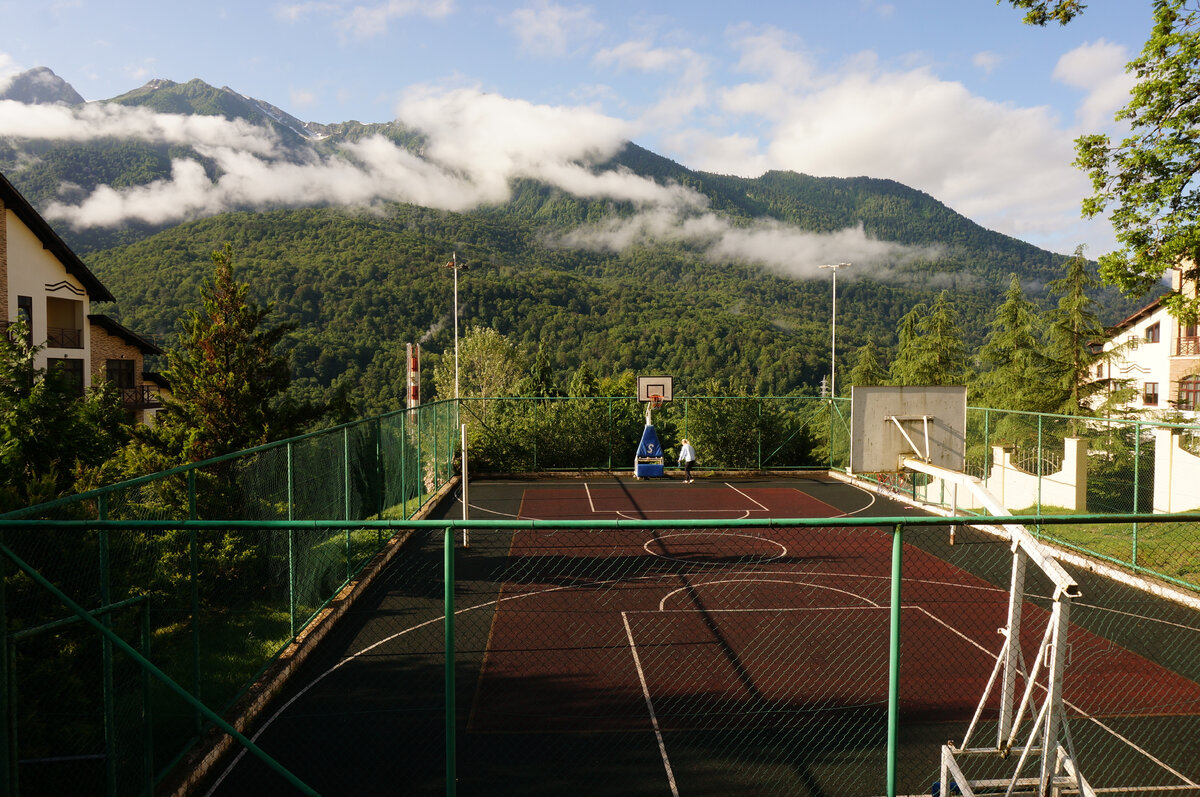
point(818, 656)
point(138, 615)
point(211, 606)
point(729, 432)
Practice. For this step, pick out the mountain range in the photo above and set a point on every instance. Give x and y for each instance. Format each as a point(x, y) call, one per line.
point(359, 280)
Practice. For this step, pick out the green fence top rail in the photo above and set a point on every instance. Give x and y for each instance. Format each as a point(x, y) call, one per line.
point(909, 521)
point(193, 466)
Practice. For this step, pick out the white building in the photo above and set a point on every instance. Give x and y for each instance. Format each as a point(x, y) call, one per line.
point(45, 284)
point(1158, 357)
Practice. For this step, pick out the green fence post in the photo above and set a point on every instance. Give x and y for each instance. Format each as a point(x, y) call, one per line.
point(830, 438)
point(106, 657)
point(403, 465)
point(448, 599)
point(147, 708)
point(346, 495)
point(760, 462)
point(194, 582)
point(1137, 464)
point(987, 446)
point(8, 690)
point(1039, 469)
point(291, 547)
point(610, 432)
point(894, 660)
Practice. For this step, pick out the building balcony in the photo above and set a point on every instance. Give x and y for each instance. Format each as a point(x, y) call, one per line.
point(143, 397)
point(1186, 346)
point(59, 338)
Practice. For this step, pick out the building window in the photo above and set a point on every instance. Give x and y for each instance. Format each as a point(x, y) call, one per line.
point(71, 371)
point(120, 373)
point(1100, 371)
point(1150, 394)
point(1189, 393)
point(1132, 341)
point(1152, 333)
point(25, 313)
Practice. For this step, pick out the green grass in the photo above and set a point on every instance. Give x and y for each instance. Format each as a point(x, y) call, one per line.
point(1165, 549)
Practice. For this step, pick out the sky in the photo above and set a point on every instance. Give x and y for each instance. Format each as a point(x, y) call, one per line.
point(956, 98)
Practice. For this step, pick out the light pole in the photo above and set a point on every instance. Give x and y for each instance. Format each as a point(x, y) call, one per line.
point(455, 266)
point(834, 267)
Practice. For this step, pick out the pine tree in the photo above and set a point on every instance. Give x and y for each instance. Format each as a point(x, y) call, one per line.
point(226, 374)
point(905, 368)
point(868, 370)
point(1012, 367)
point(1073, 334)
point(932, 350)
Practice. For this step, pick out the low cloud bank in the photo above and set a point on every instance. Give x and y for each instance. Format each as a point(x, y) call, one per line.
point(476, 145)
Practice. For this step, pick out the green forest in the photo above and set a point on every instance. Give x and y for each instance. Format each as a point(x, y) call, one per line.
point(357, 287)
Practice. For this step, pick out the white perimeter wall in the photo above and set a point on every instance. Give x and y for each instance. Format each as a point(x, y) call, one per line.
point(1176, 474)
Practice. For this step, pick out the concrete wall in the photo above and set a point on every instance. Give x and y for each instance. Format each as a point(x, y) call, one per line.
point(1176, 474)
point(1018, 490)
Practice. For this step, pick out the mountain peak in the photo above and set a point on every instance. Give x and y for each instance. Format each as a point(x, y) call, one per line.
point(40, 86)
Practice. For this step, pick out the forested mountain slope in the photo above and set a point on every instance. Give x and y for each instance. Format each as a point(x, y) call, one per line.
point(359, 284)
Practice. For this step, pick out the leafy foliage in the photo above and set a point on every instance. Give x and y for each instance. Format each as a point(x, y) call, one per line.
point(1148, 181)
point(48, 431)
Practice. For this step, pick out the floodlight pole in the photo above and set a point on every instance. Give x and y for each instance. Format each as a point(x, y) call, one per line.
point(454, 266)
point(833, 330)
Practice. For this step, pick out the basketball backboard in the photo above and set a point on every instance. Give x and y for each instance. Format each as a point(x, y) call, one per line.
point(648, 386)
point(926, 422)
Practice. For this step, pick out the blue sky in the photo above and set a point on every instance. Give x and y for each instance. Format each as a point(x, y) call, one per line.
point(954, 97)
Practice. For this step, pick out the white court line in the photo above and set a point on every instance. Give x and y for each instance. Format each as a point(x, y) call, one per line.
point(662, 746)
point(747, 497)
point(706, 512)
point(662, 603)
point(1072, 706)
point(266, 724)
point(591, 502)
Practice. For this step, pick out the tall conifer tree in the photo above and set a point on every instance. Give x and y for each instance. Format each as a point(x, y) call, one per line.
point(1013, 368)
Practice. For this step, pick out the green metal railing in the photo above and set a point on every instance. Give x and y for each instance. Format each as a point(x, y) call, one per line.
point(221, 601)
point(904, 531)
point(208, 571)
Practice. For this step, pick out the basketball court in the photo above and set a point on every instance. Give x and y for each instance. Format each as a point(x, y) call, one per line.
point(725, 659)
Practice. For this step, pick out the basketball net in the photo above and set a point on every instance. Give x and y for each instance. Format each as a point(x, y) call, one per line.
point(655, 402)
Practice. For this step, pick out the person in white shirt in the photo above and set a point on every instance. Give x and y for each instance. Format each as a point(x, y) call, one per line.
point(687, 455)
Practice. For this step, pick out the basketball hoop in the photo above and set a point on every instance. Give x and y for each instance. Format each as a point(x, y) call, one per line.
point(656, 401)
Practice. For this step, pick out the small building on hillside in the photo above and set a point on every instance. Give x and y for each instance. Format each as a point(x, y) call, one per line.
point(45, 283)
point(1158, 357)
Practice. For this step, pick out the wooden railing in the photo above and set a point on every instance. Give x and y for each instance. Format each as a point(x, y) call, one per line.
point(64, 338)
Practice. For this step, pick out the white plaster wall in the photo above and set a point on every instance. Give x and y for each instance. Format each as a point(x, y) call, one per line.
point(31, 267)
point(1016, 489)
point(1176, 474)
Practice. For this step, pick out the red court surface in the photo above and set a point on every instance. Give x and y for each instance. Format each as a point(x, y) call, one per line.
point(716, 660)
point(725, 626)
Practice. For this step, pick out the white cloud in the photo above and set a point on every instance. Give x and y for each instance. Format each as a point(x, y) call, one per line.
point(8, 70)
point(302, 98)
point(58, 122)
point(366, 21)
point(688, 90)
point(1098, 68)
point(477, 144)
point(547, 28)
point(1006, 167)
point(987, 61)
point(784, 249)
